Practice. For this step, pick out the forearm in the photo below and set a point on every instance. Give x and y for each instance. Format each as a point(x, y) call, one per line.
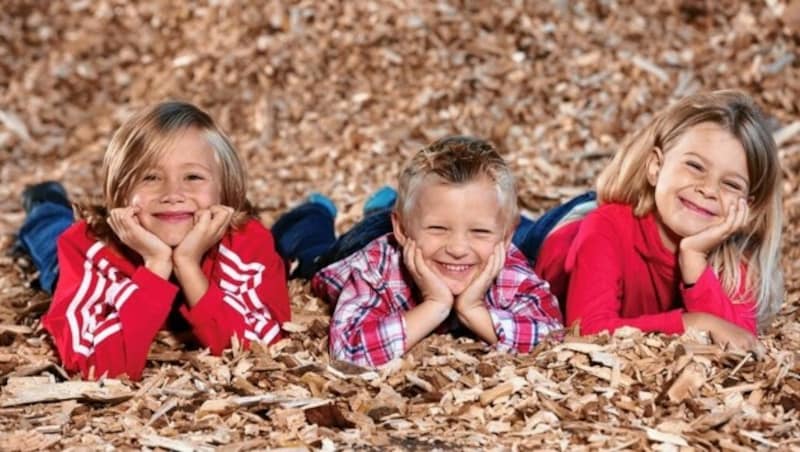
point(692, 265)
point(423, 319)
point(478, 320)
point(192, 281)
point(161, 266)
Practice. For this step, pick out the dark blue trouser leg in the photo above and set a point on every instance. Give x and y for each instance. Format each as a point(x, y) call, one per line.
point(374, 225)
point(306, 234)
point(303, 234)
point(530, 235)
point(39, 235)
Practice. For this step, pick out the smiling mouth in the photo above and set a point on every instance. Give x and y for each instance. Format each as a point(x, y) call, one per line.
point(697, 209)
point(174, 217)
point(455, 268)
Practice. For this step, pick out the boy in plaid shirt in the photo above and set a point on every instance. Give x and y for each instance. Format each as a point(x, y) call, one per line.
point(449, 260)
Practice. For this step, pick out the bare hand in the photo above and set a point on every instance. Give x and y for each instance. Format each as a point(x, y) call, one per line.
point(210, 225)
point(429, 283)
point(155, 253)
point(724, 333)
point(694, 249)
point(473, 295)
point(711, 237)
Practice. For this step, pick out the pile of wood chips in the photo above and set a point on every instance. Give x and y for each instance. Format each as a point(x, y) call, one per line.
point(332, 96)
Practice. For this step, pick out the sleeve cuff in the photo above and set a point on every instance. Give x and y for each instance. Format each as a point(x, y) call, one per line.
point(207, 307)
point(698, 292)
point(503, 323)
point(159, 293)
point(673, 322)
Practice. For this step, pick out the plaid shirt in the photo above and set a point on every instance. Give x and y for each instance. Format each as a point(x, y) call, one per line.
point(372, 290)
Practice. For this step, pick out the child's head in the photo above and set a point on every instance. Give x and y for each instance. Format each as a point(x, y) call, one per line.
point(170, 160)
point(690, 163)
point(456, 200)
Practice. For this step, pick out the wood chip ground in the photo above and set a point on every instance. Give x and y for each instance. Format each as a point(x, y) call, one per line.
point(332, 96)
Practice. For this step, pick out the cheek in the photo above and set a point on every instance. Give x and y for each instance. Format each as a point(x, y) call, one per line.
point(136, 199)
point(207, 196)
point(485, 249)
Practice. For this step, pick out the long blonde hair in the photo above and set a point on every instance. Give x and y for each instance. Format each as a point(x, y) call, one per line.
point(141, 140)
point(624, 180)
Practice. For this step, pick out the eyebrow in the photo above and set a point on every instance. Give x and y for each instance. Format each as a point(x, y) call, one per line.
point(732, 173)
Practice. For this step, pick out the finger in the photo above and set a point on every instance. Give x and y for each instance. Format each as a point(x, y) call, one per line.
point(221, 210)
point(419, 263)
point(220, 217)
point(202, 219)
point(726, 227)
point(501, 257)
point(741, 218)
point(759, 350)
point(408, 258)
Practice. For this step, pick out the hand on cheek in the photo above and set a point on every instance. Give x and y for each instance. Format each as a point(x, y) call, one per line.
point(431, 285)
point(209, 227)
point(124, 221)
point(474, 293)
point(694, 250)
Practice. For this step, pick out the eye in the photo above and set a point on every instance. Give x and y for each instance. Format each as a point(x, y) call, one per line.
point(195, 176)
point(481, 231)
point(735, 186)
point(436, 228)
point(694, 165)
point(149, 177)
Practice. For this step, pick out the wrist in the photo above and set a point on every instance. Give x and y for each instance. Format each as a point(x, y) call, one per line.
point(185, 261)
point(160, 266)
point(692, 265)
point(185, 265)
point(440, 309)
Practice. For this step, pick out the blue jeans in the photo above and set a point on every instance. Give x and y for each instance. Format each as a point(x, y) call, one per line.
point(39, 236)
point(530, 234)
point(306, 234)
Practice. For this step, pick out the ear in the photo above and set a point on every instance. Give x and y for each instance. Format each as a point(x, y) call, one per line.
point(397, 228)
point(654, 163)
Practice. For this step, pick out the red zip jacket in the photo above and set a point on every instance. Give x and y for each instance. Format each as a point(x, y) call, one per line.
point(613, 270)
point(106, 310)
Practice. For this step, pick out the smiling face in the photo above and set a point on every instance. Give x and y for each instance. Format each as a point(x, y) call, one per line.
point(184, 179)
point(456, 228)
point(697, 180)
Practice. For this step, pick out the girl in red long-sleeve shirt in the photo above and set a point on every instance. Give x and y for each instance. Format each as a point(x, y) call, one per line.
point(176, 232)
point(687, 232)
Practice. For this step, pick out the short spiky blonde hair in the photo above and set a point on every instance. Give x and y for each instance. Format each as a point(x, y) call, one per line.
point(140, 142)
point(625, 181)
point(458, 160)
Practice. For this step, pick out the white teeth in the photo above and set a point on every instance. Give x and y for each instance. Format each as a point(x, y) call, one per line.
point(456, 268)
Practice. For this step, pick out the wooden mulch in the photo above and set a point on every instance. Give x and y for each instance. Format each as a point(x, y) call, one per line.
point(332, 96)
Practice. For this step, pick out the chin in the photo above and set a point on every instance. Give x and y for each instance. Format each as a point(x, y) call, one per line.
point(456, 288)
point(171, 240)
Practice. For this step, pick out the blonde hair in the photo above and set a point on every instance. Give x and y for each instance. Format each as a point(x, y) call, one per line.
point(140, 142)
point(458, 160)
point(625, 181)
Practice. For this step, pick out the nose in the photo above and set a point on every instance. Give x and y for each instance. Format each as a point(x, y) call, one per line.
point(457, 245)
point(708, 189)
point(172, 191)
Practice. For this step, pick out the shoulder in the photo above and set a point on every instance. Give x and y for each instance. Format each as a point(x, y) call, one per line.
point(78, 235)
point(609, 218)
point(252, 230)
point(516, 268)
point(375, 262)
point(378, 256)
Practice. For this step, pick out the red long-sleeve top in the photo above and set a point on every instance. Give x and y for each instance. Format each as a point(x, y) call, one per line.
point(106, 310)
point(613, 270)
